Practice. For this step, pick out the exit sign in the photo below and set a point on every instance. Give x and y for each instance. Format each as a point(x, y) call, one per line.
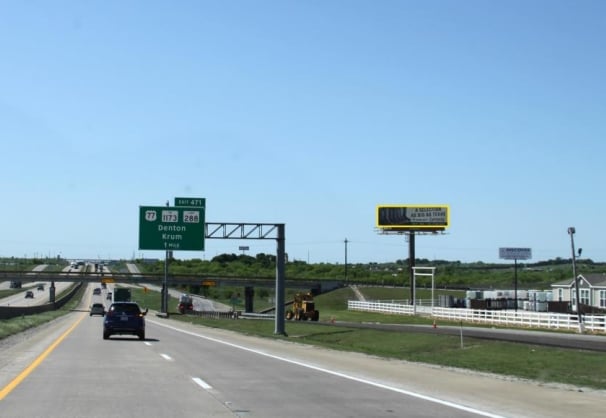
point(171, 228)
point(196, 202)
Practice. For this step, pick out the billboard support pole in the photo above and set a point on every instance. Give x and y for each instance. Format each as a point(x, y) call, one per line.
point(515, 284)
point(411, 265)
point(515, 254)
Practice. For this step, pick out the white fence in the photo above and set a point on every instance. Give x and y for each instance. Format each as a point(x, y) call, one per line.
point(525, 319)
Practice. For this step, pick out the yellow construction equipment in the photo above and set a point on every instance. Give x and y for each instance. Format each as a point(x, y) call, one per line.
point(303, 308)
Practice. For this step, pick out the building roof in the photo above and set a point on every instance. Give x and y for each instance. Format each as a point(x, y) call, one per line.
point(593, 280)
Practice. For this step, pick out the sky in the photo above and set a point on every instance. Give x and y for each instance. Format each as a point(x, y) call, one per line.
point(308, 113)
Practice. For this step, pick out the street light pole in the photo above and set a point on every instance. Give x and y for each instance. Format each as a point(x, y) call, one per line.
point(571, 232)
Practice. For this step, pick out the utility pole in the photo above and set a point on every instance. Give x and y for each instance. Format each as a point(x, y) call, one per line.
point(571, 232)
point(346, 261)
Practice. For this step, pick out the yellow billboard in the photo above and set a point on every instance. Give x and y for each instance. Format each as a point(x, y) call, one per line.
point(411, 217)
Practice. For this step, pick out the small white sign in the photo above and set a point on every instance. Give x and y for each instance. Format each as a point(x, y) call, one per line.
point(170, 216)
point(508, 253)
point(191, 216)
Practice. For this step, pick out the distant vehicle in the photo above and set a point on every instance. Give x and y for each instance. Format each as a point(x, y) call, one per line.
point(29, 294)
point(122, 294)
point(15, 285)
point(76, 264)
point(124, 318)
point(97, 291)
point(40, 286)
point(185, 303)
point(97, 309)
point(109, 296)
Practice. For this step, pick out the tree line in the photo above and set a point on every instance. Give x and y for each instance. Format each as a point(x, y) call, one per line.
point(540, 274)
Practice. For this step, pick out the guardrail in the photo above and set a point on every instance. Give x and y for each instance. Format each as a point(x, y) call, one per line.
point(524, 319)
point(215, 314)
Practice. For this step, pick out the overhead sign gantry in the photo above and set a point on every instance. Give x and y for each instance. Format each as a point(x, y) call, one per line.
point(184, 228)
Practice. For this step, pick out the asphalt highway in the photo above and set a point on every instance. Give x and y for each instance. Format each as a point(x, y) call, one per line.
point(65, 369)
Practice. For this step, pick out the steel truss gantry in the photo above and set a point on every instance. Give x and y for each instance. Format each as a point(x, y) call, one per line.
point(242, 230)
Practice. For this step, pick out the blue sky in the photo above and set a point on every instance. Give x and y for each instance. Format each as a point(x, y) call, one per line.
point(308, 113)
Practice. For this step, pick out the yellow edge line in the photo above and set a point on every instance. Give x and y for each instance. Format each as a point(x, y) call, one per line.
point(17, 380)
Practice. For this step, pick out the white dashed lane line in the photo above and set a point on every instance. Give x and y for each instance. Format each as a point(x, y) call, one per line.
point(202, 383)
point(196, 380)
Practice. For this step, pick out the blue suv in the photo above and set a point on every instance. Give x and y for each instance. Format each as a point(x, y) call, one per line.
point(124, 318)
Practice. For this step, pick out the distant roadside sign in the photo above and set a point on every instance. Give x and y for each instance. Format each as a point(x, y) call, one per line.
point(512, 253)
point(171, 228)
point(411, 217)
point(196, 202)
point(108, 280)
point(209, 283)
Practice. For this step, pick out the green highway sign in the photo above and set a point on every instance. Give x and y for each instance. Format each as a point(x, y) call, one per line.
point(196, 202)
point(171, 228)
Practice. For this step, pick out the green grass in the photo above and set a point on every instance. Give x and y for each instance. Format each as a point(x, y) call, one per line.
point(19, 324)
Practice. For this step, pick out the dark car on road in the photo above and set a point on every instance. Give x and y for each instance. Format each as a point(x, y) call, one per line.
point(124, 318)
point(97, 309)
point(29, 294)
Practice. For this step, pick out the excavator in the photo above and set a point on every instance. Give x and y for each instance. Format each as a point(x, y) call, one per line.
point(303, 308)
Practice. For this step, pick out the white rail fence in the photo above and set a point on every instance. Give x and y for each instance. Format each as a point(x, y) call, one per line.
point(525, 319)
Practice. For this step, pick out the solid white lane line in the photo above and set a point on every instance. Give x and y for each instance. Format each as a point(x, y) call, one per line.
point(201, 383)
point(417, 395)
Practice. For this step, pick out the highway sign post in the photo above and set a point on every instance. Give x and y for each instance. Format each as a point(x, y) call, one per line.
point(509, 253)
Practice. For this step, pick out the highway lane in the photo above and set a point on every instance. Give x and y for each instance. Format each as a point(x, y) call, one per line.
point(174, 373)
point(186, 369)
point(179, 375)
point(40, 296)
point(255, 383)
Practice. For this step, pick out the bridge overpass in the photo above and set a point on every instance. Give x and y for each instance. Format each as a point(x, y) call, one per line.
point(173, 280)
